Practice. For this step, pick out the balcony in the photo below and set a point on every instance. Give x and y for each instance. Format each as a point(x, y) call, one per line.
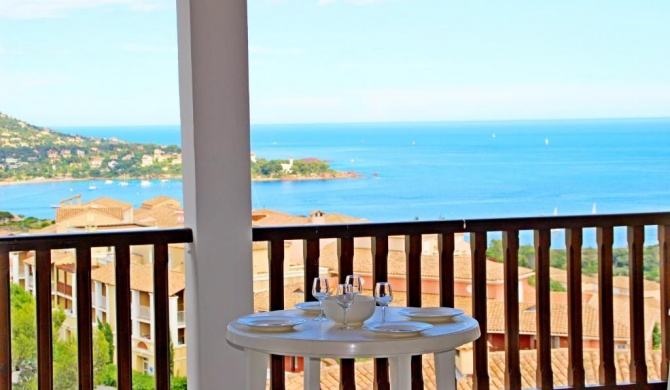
point(380, 236)
point(144, 313)
point(181, 318)
point(64, 289)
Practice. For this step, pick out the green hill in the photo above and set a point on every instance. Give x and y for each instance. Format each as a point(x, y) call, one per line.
point(29, 152)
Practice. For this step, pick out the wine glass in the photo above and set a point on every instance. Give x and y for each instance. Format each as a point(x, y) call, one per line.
point(320, 291)
point(345, 298)
point(356, 282)
point(383, 296)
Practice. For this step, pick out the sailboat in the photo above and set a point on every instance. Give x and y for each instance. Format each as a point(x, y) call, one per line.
point(145, 183)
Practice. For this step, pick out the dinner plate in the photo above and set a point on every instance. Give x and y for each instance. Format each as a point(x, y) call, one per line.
point(397, 328)
point(271, 323)
point(310, 307)
point(430, 313)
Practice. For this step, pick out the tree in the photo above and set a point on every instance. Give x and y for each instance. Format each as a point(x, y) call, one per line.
point(65, 364)
point(101, 354)
point(494, 251)
point(24, 328)
point(106, 330)
point(656, 337)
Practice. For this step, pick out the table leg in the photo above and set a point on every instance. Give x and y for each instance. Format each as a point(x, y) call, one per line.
point(401, 372)
point(445, 370)
point(256, 369)
point(312, 373)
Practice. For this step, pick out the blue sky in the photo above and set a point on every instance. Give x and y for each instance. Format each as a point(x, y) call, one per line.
point(114, 62)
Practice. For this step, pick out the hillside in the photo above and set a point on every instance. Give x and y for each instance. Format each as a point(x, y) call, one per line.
point(28, 152)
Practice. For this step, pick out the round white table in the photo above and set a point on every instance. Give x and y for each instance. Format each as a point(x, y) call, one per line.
point(314, 340)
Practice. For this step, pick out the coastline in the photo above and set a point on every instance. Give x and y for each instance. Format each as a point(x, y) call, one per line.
point(332, 176)
point(329, 176)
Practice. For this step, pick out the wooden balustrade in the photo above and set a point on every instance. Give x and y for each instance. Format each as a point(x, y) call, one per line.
point(379, 235)
point(478, 230)
point(82, 243)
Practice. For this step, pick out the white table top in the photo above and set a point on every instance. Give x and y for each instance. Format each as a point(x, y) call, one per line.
point(326, 339)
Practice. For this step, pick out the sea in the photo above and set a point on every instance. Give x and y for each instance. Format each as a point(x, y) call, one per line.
point(424, 171)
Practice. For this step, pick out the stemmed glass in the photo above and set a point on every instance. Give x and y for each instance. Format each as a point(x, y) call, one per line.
point(356, 282)
point(345, 298)
point(320, 291)
point(383, 296)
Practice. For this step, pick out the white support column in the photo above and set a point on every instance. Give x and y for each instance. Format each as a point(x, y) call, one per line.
point(174, 331)
point(14, 274)
point(151, 316)
point(74, 294)
point(135, 312)
point(214, 99)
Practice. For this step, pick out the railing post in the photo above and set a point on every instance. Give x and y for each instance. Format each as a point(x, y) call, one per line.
point(544, 377)
point(84, 320)
point(44, 336)
point(123, 319)
point(380, 251)
point(345, 252)
point(413, 280)
point(664, 260)
point(276, 268)
point(511, 263)
point(162, 316)
point(311, 253)
point(607, 370)
point(478, 243)
point(5, 323)
point(446, 247)
point(573, 246)
point(638, 366)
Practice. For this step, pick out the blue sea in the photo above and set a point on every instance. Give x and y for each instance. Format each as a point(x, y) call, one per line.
point(426, 171)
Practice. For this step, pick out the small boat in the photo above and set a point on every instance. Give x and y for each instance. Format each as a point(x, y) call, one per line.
point(92, 187)
point(123, 184)
point(375, 174)
point(145, 183)
point(108, 181)
point(546, 141)
point(55, 206)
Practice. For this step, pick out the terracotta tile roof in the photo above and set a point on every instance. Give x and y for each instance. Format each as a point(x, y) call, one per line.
point(429, 264)
point(623, 283)
point(57, 257)
point(527, 318)
point(158, 200)
point(330, 374)
point(267, 217)
point(561, 276)
point(141, 278)
point(334, 218)
point(107, 202)
point(163, 216)
point(66, 212)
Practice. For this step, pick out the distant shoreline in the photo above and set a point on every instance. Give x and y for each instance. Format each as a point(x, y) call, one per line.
point(330, 176)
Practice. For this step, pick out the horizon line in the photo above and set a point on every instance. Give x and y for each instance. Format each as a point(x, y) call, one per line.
point(390, 122)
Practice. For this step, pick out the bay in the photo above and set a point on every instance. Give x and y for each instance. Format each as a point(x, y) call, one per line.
point(426, 171)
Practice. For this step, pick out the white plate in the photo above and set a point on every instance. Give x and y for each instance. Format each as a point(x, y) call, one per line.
point(312, 307)
point(431, 313)
point(397, 327)
point(271, 323)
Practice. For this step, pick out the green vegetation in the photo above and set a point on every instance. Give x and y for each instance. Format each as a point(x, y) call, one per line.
point(20, 224)
point(558, 259)
point(262, 168)
point(24, 350)
point(29, 152)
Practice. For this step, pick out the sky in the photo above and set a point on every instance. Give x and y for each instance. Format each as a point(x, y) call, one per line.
point(114, 62)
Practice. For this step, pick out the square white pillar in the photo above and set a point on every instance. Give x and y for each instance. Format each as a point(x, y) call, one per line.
point(214, 100)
